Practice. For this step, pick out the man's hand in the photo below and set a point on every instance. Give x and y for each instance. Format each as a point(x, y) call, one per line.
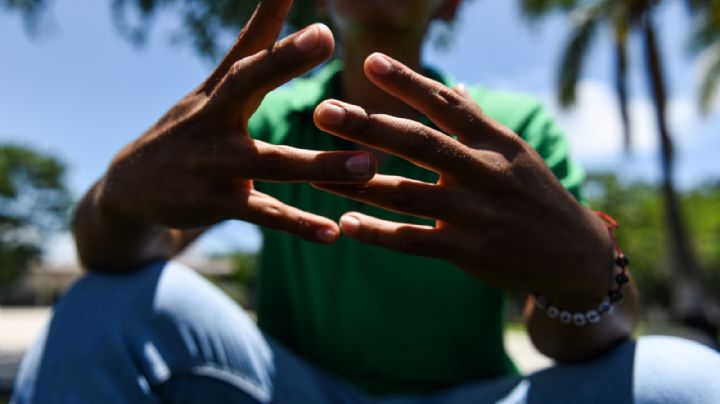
point(501, 215)
point(500, 212)
point(197, 165)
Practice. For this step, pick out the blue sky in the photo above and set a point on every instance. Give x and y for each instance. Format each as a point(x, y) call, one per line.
point(80, 91)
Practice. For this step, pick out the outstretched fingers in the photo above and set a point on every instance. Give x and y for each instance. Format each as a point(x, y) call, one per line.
point(406, 138)
point(451, 110)
point(406, 196)
point(408, 238)
point(262, 161)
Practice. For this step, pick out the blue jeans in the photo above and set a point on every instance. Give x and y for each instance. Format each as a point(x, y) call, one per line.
point(165, 334)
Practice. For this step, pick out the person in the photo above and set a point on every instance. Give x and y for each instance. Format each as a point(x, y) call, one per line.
point(446, 196)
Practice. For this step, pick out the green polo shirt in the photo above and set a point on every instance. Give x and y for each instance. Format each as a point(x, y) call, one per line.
point(386, 321)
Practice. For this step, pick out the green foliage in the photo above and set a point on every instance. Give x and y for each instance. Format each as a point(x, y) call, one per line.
point(33, 204)
point(207, 25)
point(703, 208)
point(240, 285)
point(245, 268)
point(203, 21)
point(643, 232)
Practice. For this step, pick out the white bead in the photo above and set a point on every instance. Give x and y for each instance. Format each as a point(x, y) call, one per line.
point(565, 317)
point(553, 312)
point(579, 319)
point(593, 316)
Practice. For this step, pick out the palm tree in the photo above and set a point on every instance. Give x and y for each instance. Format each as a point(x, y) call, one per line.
point(691, 303)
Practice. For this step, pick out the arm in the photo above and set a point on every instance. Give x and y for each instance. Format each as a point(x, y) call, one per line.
point(109, 241)
point(197, 165)
point(501, 214)
point(567, 342)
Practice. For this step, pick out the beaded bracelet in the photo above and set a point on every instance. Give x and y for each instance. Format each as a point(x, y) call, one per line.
point(613, 296)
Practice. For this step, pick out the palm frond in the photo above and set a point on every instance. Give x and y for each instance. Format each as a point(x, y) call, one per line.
point(710, 80)
point(573, 59)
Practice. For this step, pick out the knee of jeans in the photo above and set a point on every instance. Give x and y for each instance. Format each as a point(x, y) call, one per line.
point(675, 370)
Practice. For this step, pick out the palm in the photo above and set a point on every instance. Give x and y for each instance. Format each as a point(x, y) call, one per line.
point(624, 17)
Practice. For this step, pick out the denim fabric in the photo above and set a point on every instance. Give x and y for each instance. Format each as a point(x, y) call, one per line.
point(165, 334)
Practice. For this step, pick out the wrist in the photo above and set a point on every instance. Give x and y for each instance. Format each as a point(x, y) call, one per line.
point(588, 305)
point(592, 272)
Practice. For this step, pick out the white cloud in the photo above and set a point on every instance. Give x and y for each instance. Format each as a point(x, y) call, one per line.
point(595, 129)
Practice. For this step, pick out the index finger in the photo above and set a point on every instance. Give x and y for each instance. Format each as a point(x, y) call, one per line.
point(260, 32)
point(411, 140)
point(450, 110)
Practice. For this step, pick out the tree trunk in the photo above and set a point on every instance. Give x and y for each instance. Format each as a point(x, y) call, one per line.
point(691, 303)
point(621, 88)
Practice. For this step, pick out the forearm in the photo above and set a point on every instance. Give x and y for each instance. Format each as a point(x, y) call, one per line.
point(108, 241)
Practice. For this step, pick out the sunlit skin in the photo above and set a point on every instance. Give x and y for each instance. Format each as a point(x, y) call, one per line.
point(500, 213)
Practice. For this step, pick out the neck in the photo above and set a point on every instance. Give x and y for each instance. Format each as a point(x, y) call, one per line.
point(357, 89)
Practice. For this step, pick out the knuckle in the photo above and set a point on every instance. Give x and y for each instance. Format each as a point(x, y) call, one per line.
point(236, 77)
point(270, 162)
point(271, 216)
point(301, 227)
point(447, 101)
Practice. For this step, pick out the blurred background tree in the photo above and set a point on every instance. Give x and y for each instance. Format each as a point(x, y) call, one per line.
point(692, 304)
point(639, 209)
point(34, 203)
point(205, 24)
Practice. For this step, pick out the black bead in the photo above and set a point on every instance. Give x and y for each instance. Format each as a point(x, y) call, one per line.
point(622, 261)
point(615, 296)
point(621, 279)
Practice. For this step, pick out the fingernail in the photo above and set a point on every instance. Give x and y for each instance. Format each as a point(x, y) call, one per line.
point(349, 224)
point(380, 64)
point(308, 40)
point(327, 235)
point(331, 114)
point(359, 164)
